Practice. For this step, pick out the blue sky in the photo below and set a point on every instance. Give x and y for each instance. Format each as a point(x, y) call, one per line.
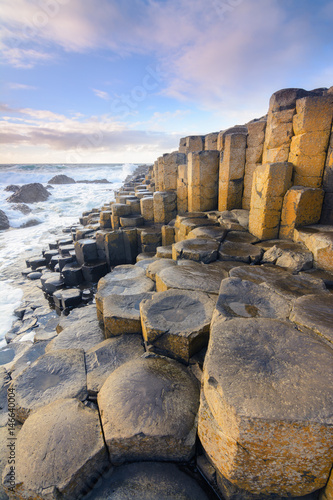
point(103, 81)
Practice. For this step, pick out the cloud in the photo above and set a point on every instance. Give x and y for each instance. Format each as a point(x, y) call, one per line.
point(20, 86)
point(101, 94)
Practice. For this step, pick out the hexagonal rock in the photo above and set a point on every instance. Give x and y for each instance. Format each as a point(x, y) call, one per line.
point(293, 256)
point(12, 352)
point(107, 356)
point(121, 314)
point(214, 233)
point(164, 252)
point(266, 410)
point(83, 333)
point(157, 266)
point(197, 249)
point(147, 481)
point(190, 276)
point(176, 322)
point(59, 452)
point(148, 410)
point(259, 274)
point(315, 312)
point(241, 237)
point(243, 252)
point(245, 299)
point(59, 374)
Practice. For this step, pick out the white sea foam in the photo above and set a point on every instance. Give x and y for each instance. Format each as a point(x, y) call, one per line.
point(63, 208)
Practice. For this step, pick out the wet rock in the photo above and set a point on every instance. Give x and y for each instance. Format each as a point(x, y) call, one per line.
point(11, 353)
point(82, 331)
point(176, 322)
point(61, 179)
point(245, 299)
point(22, 208)
point(30, 223)
point(12, 188)
point(266, 410)
point(147, 481)
point(121, 314)
point(190, 276)
point(53, 284)
point(4, 222)
point(36, 262)
point(243, 252)
point(315, 312)
point(104, 358)
point(148, 410)
point(34, 275)
point(64, 458)
point(197, 249)
point(55, 375)
point(29, 193)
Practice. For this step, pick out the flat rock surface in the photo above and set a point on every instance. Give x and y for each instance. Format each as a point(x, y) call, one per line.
point(241, 237)
point(148, 411)
point(268, 387)
point(59, 374)
point(35, 351)
point(177, 321)
point(315, 312)
point(258, 274)
point(149, 481)
point(83, 334)
point(245, 299)
point(104, 358)
point(190, 276)
point(121, 313)
point(244, 252)
point(12, 352)
point(214, 233)
point(59, 450)
point(158, 265)
point(197, 249)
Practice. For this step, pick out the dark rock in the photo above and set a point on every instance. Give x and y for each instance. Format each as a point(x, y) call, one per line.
point(86, 251)
point(70, 298)
point(12, 187)
point(4, 222)
point(34, 275)
point(94, 271)
point(97, 181)
point(22, 208)
point(72, 274)
point(30, 193)
point(35, 262)
point(30, 223)
point(61, 179)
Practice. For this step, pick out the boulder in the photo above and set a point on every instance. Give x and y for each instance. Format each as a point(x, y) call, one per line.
point(30, 193)
point(176, 322)
point(197, 249)
point(4, 222)
point(148, 411)
point(121, 314)
point(290, 255)
point(61, 179)
point(190, 276)
point(148, 481)
point(55, 375)
point(104, 358)
point(266, 410)
point(245, 299)
point(315, 312)
point(63, 458)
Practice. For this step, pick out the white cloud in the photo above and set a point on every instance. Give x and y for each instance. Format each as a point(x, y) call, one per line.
point(20, 86)
point(101, 94)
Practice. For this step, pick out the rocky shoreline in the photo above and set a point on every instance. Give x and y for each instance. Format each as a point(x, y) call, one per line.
point(188, 351)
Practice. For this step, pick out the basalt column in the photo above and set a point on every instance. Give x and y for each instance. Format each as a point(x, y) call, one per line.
point(232, 164)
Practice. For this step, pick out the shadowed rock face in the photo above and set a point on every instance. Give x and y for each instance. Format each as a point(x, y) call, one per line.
point(30, 193)
point(149, 481)
point(148, 410)
point(59, 450)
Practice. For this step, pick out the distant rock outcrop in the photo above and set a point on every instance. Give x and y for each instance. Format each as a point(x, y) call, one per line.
point(30, 193)
point(61, 179)
point(4, 222)
point(96, 181)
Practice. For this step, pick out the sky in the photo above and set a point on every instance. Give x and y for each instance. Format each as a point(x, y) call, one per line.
point(107, 81)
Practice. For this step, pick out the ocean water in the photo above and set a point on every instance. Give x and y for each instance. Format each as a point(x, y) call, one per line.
point(63, 208)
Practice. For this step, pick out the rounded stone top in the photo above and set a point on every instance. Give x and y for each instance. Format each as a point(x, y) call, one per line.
point(120, 273)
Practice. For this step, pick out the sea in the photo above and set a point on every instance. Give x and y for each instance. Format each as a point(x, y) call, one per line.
point(63, 208)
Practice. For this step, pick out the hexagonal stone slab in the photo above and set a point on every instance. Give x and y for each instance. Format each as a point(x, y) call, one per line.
point(245, 299)
point(12, 352)
point(190, 276)
point(197, 249)
point(83, 333)
point(315, 312)
point(241, 237)
point(59, 374)
point(59, 452)
point(259, 274)
point(148, 481)
point(243, 252)
point(157, 266)
point(213, 233)
point(266, 410)
point(176, 322)
point(121, 314)
point(107, 356)
point(148, 409)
